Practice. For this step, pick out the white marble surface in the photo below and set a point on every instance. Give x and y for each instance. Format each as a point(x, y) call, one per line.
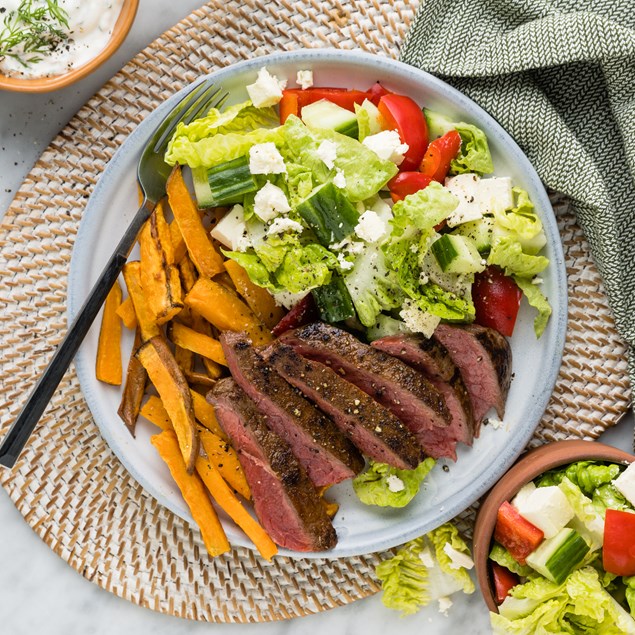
point(39, 593)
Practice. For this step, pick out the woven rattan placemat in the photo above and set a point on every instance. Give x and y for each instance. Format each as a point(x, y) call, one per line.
point(68, 485)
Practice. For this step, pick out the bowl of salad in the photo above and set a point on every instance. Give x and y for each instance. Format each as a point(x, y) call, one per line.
point(554, 542)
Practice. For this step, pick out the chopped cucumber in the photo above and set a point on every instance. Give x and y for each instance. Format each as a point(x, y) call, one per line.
point(329, 214)
point(327, 115)
point(457, 254)
point(334, 301)
point(223, 184)
point(557, 557)
point(479, 231)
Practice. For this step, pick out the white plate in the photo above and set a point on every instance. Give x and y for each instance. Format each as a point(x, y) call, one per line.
point(451, 487)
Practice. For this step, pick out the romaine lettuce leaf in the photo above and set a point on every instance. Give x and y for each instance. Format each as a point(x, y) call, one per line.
point(448, 534)
point(507, 253)
point(588, 521)
point(629, 583)
point(373, 487)
point(522, 220)
point(537, 300)
point(587, 475)
point(501, 556)
point(474, 155)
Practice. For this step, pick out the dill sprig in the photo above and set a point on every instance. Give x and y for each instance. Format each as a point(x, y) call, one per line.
point(32, 31)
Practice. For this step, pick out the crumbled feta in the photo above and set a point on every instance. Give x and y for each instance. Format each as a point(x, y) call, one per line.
point(418, 321)
point(264, 158)
point(339, 180)
point(537, 280)
point(395, 484)
point(345, 265)
point(281, 225)
point(445, 604)
point(497, 424)
point(231, 230)
point(458, 559)
point(426, 558)
point(287, 299)
point(270, 201)
point(266, 90)
point(327, 151)
point(304, 79)
point(625, 482)
point(370, 227)
point(547, 508)
point(387, 146)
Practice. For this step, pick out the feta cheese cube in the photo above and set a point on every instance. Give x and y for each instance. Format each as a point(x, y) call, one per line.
point(547, 508)
point(231, 230)
point(270, 201)
point(281, 225)
point(495, 194)
point(465, 188)
point(418, 321)
point(458, 559)
point(287, 299)
point(327, 151)
point(304, 79)
point(264, 158)
point(387, 146)
point(370, 227)
point(339, 180)
point(625, 483)
point(395, 484)
point(266, 90)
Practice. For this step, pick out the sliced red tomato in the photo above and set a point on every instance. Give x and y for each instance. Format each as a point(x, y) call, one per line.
point(376, 92)
point(439, 155)
point(504, 581)
point(302, 313)
point(294, 99)
point(496, 300)
point(515, 533)
point(407, 183)
point(403, 114)
point(618, 551)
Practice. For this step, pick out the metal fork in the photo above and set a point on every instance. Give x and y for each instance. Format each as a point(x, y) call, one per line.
point(152, 174)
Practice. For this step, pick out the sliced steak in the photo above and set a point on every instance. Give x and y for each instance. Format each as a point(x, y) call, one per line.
point(371, 427)
point(326, 454)
point(397, 386)
point(484, 358)
point(433, 360)
point(286, 502)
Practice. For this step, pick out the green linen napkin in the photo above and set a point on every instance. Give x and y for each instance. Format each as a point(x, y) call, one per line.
point(559, 76)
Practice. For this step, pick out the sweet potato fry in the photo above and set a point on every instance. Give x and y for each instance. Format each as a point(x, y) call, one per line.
point(194, 493)
point(160, 278)
point(170, 383)
point(204, 413)
point(126, 312)
point(225, 459)
point(180, 249)
point(233, 507)
point(154, 411)
point(225, 310)
point(108, 363)
point(200, 379)
point(188, 273)
point(134, 388)
point(199, 245)
point(204, 345)
point(259, 300)
point(132, 276)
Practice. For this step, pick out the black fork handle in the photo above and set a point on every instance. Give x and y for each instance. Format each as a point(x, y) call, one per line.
point(23, 426)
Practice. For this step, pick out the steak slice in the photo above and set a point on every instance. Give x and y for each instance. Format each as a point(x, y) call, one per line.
point(286, 502)
point(433, 360)
point(323, 451)
point(371, 427)
point(484, 358)
point(397, 386)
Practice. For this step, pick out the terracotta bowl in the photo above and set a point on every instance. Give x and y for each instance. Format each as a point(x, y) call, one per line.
point(529, 467)
point(46, 84)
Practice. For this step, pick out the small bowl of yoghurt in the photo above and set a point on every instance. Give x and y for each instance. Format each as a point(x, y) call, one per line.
point(49, 44)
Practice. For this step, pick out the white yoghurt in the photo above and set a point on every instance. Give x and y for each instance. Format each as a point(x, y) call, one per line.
point(90, 25)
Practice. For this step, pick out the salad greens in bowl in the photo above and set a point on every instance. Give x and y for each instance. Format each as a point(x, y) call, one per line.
point(376, 198)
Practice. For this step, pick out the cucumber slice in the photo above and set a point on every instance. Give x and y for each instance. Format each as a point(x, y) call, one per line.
point(224, 184)
point(334, 301)
point(557, 557)
point(479, 232)
point(329, 214)
point(329, 116)
point(457, 254)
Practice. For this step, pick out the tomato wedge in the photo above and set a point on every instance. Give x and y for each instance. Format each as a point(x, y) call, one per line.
point(515, 533)
point(302, 313)
point(496, 300)
point(407, 183)
point(439, 155)
point(618, 551)
point(376, 92)
point(504, 581)
point(404, 115)
point(294, 99)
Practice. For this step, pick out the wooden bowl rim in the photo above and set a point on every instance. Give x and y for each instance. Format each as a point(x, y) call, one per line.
point(45, 84)
point(533, 464)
